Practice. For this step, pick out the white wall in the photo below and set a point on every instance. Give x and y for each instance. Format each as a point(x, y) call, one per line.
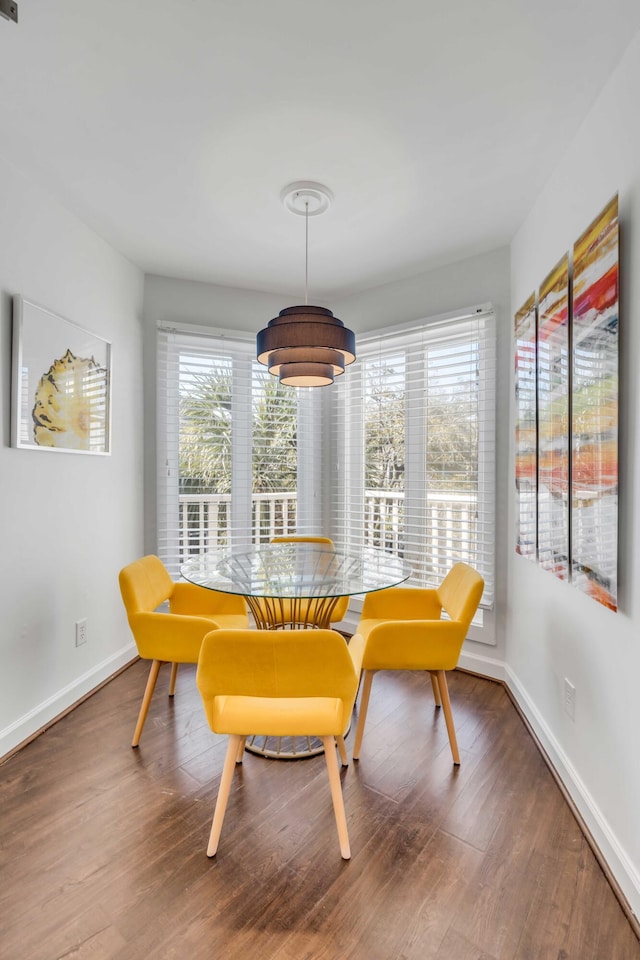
point(552, 630)
point(68, 522)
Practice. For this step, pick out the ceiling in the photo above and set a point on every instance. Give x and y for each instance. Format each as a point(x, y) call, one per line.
point(170, 128)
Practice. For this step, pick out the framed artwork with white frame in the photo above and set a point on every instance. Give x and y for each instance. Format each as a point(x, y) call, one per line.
point(61, 384)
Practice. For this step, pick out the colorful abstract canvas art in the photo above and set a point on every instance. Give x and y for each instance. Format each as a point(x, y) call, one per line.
point(553, 421)
point(526, 429)
point(594, 418)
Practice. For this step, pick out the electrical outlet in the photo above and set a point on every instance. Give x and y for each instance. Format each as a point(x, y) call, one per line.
point(9, 10)
point(569, 699)
point(81, 632)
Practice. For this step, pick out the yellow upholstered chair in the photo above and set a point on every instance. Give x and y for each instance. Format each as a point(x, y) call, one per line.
point(339, 611)
point(282, 683)
point(172, 637)
point(403, 630)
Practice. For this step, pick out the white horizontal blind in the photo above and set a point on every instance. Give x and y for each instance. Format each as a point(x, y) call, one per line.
point(414, 446)
point(230, 473)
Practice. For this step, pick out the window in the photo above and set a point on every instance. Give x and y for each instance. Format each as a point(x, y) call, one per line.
point(230, 469)
point(398, 454)
point(414, 447)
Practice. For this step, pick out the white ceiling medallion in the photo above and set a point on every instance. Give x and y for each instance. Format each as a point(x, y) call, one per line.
point(305, 196)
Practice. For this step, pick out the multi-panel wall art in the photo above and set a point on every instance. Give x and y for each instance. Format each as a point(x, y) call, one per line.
point(553, 421)
point(594, 410)
point(526, 429)
point(566, 380)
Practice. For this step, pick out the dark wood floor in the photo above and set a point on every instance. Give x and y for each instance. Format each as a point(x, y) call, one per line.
point(103, 847)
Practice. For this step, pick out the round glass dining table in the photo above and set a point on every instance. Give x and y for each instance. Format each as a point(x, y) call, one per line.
point(294, 586)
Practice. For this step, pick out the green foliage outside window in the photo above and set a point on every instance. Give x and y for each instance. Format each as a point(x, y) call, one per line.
point(206, 433)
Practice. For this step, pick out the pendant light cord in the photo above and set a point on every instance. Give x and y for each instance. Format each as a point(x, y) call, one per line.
point(306, 252)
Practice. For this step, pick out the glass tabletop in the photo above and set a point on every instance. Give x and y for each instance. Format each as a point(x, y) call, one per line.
point(296, 571)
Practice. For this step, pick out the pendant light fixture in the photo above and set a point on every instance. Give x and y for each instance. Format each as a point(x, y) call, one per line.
point(306, 346)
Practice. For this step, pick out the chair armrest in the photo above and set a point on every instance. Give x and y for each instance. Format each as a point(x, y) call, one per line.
point(402, 602)
point(170, 637)
point(192, 600)
point(414, 645)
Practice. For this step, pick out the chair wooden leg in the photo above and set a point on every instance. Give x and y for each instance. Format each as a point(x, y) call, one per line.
point(342, 750)
point(174, 677)
point(146, 700)
point(223, 792)
point(336, 796)
point(362, 713)
point(448, 716)
point(240, 753)
point(436, 689)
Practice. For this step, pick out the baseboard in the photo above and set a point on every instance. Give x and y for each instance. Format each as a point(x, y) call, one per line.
point(621, 873)
point(349, 624)
point(484, 666)
point(31, 724)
